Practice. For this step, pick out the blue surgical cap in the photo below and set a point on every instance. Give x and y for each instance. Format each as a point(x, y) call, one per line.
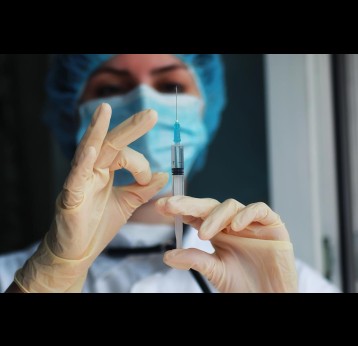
point(68, 76)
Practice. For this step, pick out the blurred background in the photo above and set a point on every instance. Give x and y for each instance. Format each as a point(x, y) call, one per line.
point(288, 138)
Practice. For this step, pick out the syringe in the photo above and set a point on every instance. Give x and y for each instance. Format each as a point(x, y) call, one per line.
point(178, 174)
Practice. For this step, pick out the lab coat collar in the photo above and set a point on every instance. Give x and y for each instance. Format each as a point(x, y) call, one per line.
point(142, 235)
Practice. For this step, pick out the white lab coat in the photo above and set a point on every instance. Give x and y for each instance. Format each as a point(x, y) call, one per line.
point(147, 273)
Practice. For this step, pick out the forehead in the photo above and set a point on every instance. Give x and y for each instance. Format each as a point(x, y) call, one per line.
point(142, 62)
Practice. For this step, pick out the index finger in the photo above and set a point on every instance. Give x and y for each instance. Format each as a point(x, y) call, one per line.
point(125, 133)
point(186, 206)
point(258, 220)
point(194, 210)
point(96, 131)
point(255, 212)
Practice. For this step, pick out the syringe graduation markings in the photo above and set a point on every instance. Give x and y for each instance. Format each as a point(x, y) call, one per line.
point(178, 174)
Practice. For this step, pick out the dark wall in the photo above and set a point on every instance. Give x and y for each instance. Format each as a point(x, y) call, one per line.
point(33, 168)
point(237, 162)
point(25, 174)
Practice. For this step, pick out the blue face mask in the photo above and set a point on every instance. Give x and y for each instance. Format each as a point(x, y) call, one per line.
point(156, 144)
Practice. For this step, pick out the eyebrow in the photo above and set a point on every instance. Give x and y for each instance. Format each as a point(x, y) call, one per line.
point(156, 71)
point(168, 68)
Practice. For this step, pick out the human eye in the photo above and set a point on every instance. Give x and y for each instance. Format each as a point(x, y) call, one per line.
point(170, 87)
point(110, 90)
point(106, 84)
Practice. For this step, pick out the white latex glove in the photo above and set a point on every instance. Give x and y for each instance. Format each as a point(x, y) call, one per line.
point(253, 252)
point(89, 210)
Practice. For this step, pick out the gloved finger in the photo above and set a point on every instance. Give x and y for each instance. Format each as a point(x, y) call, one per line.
point(125, 133)
point(135, 163)
point(193, 221)
point(74, 186)
point(261, 220)
point(255, 212)
point(193, 210)
point(186, 206)
point(219, 218)
point(130, 197)
point(196, 259)
point(96, 131)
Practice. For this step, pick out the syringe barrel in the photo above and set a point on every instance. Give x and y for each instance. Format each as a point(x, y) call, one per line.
point(177, 159)
point(178, 185)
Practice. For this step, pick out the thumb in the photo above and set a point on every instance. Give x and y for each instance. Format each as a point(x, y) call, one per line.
point(133, 196)
point(185, 259)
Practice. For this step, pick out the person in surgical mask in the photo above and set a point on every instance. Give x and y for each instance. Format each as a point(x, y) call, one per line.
point(114, 217)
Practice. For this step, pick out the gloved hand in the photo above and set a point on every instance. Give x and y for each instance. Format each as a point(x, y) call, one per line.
point(253, 252)
point(89, 210)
